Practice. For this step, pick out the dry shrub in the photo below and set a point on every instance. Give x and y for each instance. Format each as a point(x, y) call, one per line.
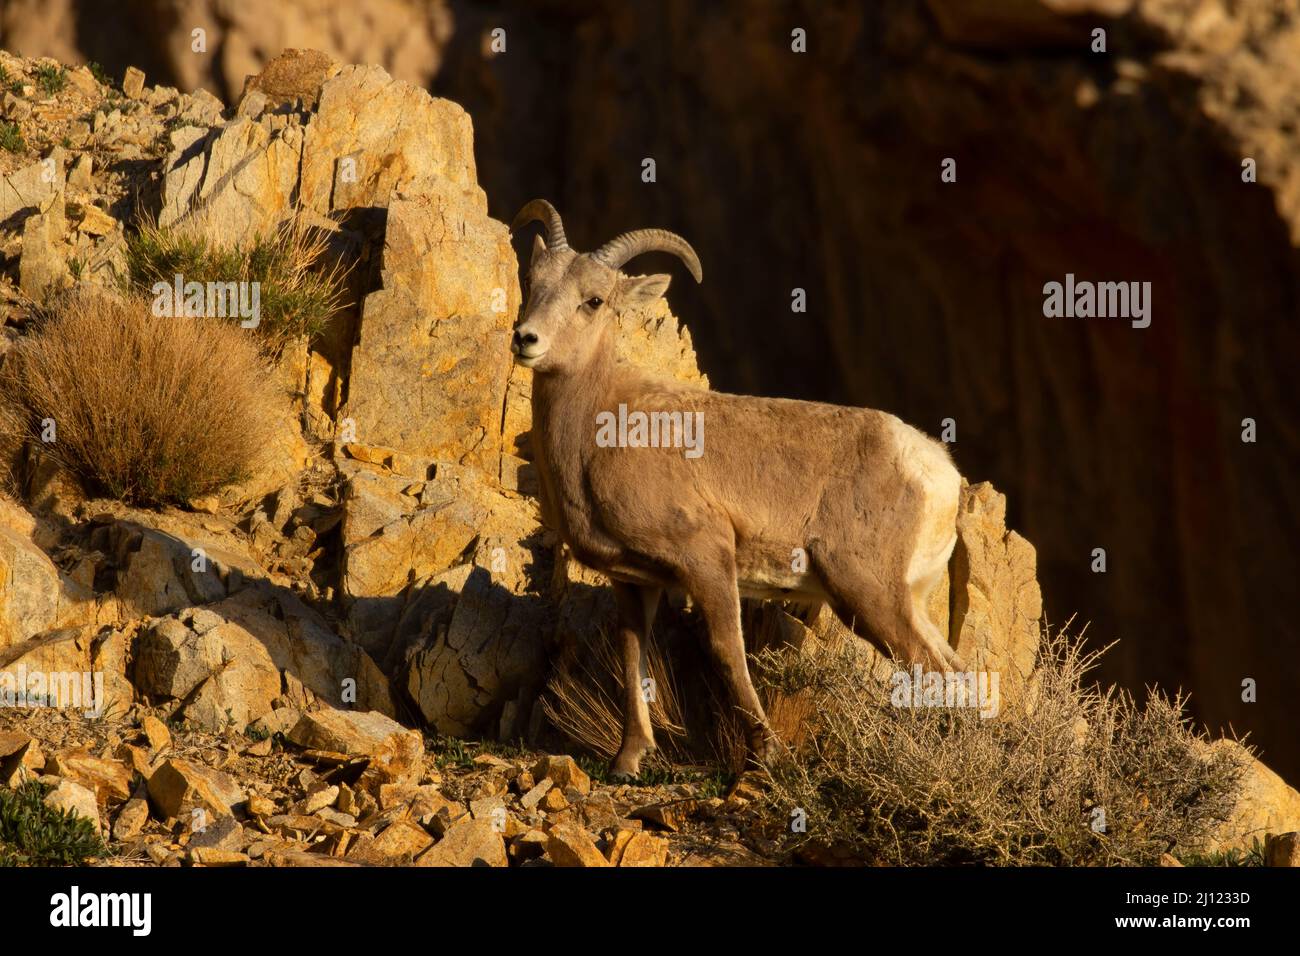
point(150, 410)
point(695, 722)
point(584, 700)
point(1070, 776)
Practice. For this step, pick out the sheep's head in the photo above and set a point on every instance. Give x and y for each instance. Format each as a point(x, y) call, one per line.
point(570, 295)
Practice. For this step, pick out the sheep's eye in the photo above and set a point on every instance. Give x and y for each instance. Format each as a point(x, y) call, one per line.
point(594, 303)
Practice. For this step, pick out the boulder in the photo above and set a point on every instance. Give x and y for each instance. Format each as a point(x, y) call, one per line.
point(430, 367)
point(996, 601)
point(110, 780)
point(179, 787)
point(467, 843)
point(163, 569)
point(32, 188)
point(633, 848)
point(1282, 849)
point(1266, 804)
point(570, 846)
point(76, 800)
point(264, 645)
point(393, 133)
point(396, 753)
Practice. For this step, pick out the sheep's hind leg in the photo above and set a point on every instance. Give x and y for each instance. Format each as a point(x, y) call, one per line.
point(717, 595)
point(636, 612)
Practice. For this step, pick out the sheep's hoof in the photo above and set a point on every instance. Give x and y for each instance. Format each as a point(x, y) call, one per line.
point(627, 763)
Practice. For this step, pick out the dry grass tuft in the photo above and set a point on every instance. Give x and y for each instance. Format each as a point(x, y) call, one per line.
point(150, 410)
point(1070, 776)
point(584, 701)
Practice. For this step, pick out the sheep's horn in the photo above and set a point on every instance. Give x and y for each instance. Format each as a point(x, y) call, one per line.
point(630, 244)
point(539, 210)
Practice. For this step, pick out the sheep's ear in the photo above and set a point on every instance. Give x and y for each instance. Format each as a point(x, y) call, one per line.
point(638, 291)
point(539, 246)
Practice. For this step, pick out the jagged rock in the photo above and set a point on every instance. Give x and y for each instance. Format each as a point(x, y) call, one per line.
point(290, 79)
point(161, 570)
point(467, 843)
point(996, 602)
point(396, 754)
point(30, 589)
point(569, 845)
point(179, 786)
point(429, 372)
point(20, 758)
point(396, 133)
point(486, 651)
point(413, 545)
point(82, 668)
point(225, 676)
point(32, 188)
point(132, 83)
point(232, 672)
point(279, 721)
point(171, 660)
point(43, 268)
point(223, 833)
point(108, 779)
point(160, 738)
point(400, 842)
point(637, 848)
point(75, 799)
point(564, 772)
point(131, 819)
point(249, 178)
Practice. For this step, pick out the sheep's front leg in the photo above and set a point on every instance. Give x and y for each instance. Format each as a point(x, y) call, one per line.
point(636, 612)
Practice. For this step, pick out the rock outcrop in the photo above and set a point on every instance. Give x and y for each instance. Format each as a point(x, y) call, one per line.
point(390, 565)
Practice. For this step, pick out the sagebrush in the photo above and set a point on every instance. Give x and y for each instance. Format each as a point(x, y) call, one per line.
point(1067, 775)
point(147, 409)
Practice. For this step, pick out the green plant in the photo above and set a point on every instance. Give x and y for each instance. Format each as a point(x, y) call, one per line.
point(150, 409)
point(1079, 777)
point(33, 834)
point(98, 73)
point(51, 79)
point(450, 752)
point(1233, 857)
point(299, 290)
point(11, 138)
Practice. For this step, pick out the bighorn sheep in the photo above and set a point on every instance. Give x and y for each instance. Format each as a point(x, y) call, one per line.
point(789, 500)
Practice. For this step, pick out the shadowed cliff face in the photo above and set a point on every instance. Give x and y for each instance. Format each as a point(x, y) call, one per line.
point(821, 171)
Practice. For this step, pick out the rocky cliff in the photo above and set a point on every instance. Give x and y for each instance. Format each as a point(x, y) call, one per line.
point(923, 298)
point(391, 561)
